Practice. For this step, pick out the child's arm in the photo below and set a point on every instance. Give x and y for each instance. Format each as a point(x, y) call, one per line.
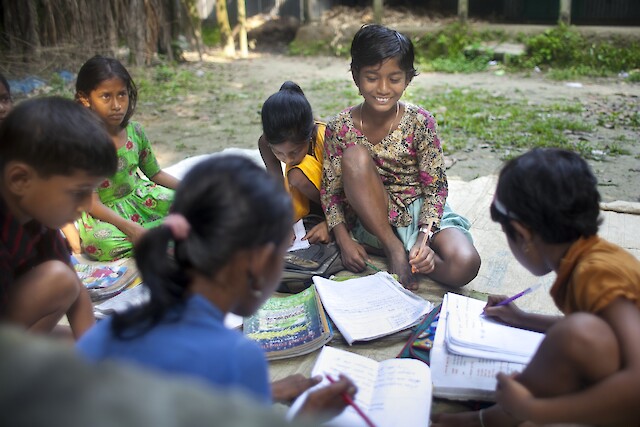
point(166, 180)
point(612, 400)
point(511, 315)
point(103, 213)
point(80, 314)
point(274, 167)
point(299, 180)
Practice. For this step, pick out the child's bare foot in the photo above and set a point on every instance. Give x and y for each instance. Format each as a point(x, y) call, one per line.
point(399, 264)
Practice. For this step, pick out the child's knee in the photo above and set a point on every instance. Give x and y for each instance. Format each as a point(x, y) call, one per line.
point(589, 342)
point(59, 279)
point(354, 157)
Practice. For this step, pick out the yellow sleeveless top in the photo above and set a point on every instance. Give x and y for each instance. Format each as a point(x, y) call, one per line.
point(311, 167)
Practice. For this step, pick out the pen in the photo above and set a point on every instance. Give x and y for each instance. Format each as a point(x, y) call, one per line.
point(422, 245)
point(518, 295)
point(350, 402)
point(368, 264)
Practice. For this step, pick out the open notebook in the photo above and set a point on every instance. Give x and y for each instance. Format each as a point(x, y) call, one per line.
point(484, 345)
point(394, 392)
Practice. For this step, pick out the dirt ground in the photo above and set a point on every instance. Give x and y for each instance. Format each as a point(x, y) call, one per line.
point(212, 120)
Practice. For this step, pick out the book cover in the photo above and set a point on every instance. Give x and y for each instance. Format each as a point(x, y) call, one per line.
point(290, 326)
point(105, 281)
point(99, 276)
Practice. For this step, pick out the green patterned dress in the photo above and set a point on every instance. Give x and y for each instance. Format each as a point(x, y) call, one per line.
point(130, 196)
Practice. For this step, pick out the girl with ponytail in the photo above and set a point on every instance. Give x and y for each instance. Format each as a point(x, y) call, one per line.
point(221, 250)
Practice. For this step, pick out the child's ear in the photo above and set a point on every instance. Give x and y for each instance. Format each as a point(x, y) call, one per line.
point(18, 177)
point(522, 231)
point(83, 99)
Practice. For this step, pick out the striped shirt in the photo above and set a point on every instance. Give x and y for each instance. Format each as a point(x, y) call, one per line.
point(24, 246)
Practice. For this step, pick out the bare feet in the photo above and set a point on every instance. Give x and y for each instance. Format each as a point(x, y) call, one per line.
point(399, 264)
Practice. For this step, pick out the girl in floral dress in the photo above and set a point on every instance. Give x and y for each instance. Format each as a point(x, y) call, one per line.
point(125, 205)
point(384, 186)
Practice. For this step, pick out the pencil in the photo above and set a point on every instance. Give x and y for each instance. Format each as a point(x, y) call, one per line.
point(422, 245)
point(370, 265)
point(353, 404)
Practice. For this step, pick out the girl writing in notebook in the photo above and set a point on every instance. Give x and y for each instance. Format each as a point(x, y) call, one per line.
point(384, 180)
point(587, 369)
point(220, 251)
point(292, 136)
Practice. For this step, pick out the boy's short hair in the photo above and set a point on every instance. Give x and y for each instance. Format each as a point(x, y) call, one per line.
point(552, 191)
point(57, 136)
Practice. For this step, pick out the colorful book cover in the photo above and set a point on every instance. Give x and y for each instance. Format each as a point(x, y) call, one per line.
point(290, 326)
point(99, 276)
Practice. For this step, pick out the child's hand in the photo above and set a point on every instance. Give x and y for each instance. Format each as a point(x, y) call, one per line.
point(508, 313)
point(513, 397)
point(289, 388)
point(354, 256)
point(135, 231)
point(318, 234)
point(328, 401)
point(422, 260)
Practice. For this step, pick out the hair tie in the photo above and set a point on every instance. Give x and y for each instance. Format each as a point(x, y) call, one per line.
point(178, 225)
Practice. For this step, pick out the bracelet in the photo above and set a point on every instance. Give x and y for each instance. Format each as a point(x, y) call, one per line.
point(428, 232)
point(481, 417)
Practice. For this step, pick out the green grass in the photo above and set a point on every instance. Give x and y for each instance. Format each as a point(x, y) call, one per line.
point(467, 118)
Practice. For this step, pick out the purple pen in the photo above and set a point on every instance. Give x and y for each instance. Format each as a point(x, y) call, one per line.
point(518, 295)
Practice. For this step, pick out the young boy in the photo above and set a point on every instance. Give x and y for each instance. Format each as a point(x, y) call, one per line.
point(53, 153)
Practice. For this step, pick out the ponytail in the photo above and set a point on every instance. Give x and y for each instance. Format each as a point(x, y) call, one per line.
point(164, 276)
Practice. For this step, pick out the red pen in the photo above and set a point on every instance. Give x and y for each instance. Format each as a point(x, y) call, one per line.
point(353, 404)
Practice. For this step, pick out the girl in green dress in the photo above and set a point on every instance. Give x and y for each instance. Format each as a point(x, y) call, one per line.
point(125, 205)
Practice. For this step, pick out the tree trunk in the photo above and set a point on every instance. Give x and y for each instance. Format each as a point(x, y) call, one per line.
point(222, 17)
point(242, 22)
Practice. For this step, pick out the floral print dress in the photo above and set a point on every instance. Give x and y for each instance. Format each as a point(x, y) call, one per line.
point(136, 199)
point(409, 161)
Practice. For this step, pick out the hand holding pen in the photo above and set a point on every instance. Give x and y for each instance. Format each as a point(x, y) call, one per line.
point(422, 260)
point(500, 307)
point(330, 400)
point(349, 400)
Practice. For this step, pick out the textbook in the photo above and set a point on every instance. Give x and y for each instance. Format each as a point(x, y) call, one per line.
point(290, 326)
point(370, 307)
point(137, 295)
point(469, 350)
point(394, 392)
point(104, 281)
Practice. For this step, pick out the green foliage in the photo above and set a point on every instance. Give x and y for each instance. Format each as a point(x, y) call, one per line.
point(468, 118)
point(561, 50)
point(211, 35)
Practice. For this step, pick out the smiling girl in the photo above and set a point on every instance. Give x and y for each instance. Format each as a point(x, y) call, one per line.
point(124, 205)
point(384, 179)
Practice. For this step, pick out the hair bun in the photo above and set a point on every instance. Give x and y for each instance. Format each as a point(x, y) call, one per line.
point(291, 86)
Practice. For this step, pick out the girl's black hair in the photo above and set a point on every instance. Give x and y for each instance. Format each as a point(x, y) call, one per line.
point(287, 116)
point(5, 83)
point(231, 204)
point(374, 44)
point(552, 191)
point(101, 68)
